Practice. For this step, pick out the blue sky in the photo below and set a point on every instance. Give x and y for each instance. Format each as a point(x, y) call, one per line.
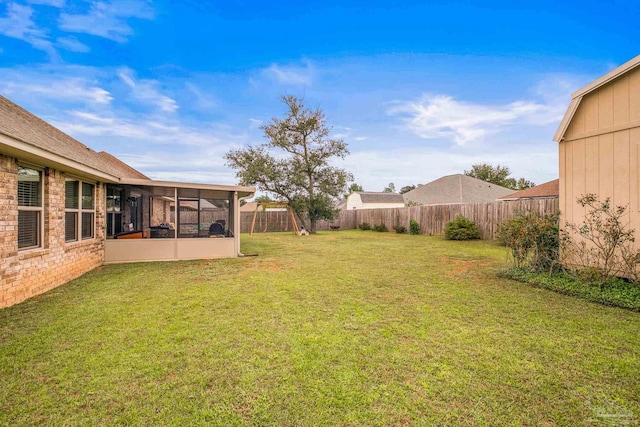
point(417, 89)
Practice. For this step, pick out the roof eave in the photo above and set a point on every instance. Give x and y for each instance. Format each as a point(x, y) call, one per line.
point(566, 119)
point(242, 190)
point(19, 149)
point(611, 75)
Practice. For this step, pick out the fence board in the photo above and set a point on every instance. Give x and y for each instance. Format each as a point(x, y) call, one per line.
point(432, 218)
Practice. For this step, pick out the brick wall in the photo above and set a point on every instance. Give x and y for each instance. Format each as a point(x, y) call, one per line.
point(24, 274)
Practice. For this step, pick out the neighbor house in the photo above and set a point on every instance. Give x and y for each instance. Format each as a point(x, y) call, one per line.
point(599, 144)
point(66, 209)
point(548, 190)
point(373, 200)
point(455, 189)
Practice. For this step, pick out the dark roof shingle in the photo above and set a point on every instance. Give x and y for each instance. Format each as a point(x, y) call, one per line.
point(373, 197)
point(457, 188)
point(20, 124)
point(548, 189)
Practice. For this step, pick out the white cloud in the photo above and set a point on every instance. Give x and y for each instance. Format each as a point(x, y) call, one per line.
point(107, 19)
point(19, 24)
point(71, 43)
point(74, 89)
point(441, 116)
point(291, 75)
point(54, 3)
point(141, 128)
point(146, 91)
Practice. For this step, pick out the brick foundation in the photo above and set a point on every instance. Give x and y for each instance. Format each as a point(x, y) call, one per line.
point(24, 274)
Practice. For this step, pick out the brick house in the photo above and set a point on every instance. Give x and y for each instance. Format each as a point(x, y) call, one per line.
point(66, 209)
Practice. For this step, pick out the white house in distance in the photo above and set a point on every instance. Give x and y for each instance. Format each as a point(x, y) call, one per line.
point(374, 200)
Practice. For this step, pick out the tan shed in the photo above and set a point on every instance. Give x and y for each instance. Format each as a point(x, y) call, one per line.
point(599, 143)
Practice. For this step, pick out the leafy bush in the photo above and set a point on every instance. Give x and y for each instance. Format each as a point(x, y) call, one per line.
point(602, 246)
point(617, 293)
point(365, 226)
point(380, 228)
point(400, 229)
point(461, 228)
point(534, 240)
point(414, 227)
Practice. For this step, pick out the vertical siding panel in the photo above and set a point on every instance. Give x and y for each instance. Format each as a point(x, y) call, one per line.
point(606, 165)
point(570, 200)
point(562, 147)
point(634, 141)
point(578, 121)
point(591, 165)
point(621, 101)
point(578, 167)
point(578, 173)
point(634, 95)
point(605, 106)
point(621, 191)
point(590, 107)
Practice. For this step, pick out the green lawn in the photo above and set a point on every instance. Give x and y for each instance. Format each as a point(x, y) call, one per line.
point(344, 328)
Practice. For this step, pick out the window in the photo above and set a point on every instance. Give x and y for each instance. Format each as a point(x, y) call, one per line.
point(79, 210)
point(29, 208)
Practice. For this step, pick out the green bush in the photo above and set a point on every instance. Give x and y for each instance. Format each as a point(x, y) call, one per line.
point(400, 229)
point(534, 240)
point(365, 226)
point(380, 227)
point(414, 227)
point(461, 228)
point(602, 246)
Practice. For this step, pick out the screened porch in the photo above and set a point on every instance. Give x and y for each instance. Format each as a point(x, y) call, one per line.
point(154, 221)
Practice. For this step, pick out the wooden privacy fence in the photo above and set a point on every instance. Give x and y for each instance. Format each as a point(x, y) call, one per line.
point(432, 218)
point(280, 221)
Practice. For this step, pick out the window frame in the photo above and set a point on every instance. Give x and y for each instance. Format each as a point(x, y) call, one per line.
point(39, 209)
point(79, 210)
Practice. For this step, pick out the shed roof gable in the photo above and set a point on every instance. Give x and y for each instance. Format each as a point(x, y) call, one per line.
point(577, 96)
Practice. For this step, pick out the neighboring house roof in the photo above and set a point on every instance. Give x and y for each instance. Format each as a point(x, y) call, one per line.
point(547, 190)
point(341, 204)
point(457, 188)
point(374, 197)
point(21, 125)
point(251, 207)
point(248, 207)
point(577, 96)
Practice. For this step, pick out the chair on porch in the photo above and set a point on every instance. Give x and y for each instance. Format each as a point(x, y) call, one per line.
point(216, 230)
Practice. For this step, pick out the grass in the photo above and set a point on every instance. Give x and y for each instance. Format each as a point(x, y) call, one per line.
point(343, 328)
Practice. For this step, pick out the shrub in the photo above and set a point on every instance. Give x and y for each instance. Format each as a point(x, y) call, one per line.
point(365, 226)
point(461, 228)
point(602, 247)
point(380, 228)
point(414, 227)
point(400, 229)
point(534, 241)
